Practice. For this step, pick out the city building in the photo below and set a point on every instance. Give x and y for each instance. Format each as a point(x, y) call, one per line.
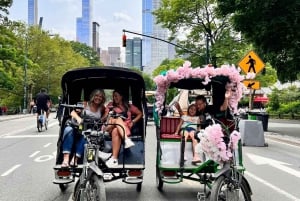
point(114, 56)
point(84, 23)
point(104, 57)
point(154, 51)
point(133, 54)
point(32, 12)
point(95, 40)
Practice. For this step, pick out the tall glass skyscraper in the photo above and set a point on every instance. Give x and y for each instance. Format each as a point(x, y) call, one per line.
point(32, 12)
point(134, 53)
point(84, 23)
point(154, 51)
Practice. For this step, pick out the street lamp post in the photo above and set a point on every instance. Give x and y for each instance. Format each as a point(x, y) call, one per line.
point(25, 77)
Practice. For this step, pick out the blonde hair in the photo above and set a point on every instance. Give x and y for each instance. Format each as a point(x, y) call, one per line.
point(96, 92)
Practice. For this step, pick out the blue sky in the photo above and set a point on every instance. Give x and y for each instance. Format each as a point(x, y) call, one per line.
point(59, 17)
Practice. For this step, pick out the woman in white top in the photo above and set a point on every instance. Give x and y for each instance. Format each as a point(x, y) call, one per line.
point(95, 109)
point(188, 127)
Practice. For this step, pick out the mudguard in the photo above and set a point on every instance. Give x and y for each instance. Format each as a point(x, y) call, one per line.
point(96, 169)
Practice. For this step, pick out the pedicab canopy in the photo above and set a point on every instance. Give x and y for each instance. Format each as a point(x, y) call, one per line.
point(77, 84)
point(208, 78)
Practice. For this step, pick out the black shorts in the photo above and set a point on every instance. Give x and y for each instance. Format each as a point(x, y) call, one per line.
point(40, 108)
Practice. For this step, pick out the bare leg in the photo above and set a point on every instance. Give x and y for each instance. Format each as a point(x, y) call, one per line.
point(116, 143)
point(194, 143)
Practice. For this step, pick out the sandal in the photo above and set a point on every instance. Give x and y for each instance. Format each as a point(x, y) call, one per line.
point(73, 162)
point(65, 164)
point(196, 160)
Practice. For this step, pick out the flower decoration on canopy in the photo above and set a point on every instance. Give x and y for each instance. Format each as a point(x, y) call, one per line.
point(206, 73)
point(213, 145)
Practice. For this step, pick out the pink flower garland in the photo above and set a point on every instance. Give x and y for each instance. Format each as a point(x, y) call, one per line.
point(206, 73)
point(213, 145)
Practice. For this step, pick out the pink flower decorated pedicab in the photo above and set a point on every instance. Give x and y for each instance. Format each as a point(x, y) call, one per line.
point(221, 169)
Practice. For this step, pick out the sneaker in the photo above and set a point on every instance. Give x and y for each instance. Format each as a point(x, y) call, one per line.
point(128, 143)
point(112, 162)
point(104, 156)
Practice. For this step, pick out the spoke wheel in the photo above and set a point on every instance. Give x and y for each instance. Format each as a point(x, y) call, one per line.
point(46, 124)
point(94, 190)
point(223, 190)
point(39, 126)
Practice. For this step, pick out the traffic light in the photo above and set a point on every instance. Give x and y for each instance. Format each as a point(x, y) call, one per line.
point(124, 40)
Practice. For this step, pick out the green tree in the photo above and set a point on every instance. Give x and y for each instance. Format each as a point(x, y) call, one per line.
point(167, 65)
point(273, 27)
point(198, 22)
point(149, 83)
point(87, 52)
point(4, 5)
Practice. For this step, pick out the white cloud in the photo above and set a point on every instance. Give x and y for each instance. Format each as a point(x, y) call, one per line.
point(119, 16)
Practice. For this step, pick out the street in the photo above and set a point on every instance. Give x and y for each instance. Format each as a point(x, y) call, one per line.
point(28, 157)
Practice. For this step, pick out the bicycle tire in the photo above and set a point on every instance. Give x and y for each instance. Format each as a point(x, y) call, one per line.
point(39, 126)
point(222, 189)
point(94, 190)
point(46, 124)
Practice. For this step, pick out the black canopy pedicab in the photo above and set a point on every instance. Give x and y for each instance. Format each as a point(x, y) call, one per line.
point(221, 172)
point(92, 171)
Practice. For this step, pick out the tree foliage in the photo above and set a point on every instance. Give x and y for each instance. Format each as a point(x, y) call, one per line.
point(273, 27)
point(87, 52)
point(197, 23)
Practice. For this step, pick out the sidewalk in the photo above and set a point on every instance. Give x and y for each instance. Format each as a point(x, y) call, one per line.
point(13, 116)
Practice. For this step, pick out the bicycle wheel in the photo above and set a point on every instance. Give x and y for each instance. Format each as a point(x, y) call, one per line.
point(46, 123)
point(94, 190)
point(39, 125)
point(223, 189)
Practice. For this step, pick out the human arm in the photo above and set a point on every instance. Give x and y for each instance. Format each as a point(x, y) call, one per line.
point(136, 112)
point(224, 106)
point(104, 112)
point(75, 115)
point(178, 127)
point(177, 106)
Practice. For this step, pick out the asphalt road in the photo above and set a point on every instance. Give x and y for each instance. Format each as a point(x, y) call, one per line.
point(27, 160)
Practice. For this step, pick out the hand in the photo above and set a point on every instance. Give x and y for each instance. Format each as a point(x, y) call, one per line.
point(79, 120)
point(228, 94)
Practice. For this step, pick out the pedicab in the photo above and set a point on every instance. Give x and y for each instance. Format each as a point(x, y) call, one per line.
point(91, 170)
point(221, 170)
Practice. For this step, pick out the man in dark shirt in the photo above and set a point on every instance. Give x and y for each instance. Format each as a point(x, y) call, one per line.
point(42, 100)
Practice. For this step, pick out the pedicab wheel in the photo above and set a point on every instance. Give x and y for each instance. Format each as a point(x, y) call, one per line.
point(159, 181)
point(63, 187)
point(222, 189)
point(139, 187)
point(94, 190)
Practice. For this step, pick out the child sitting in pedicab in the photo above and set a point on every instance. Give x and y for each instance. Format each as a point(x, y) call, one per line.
point(187, 127)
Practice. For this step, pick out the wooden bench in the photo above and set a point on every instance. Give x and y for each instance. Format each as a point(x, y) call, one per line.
point(168, 126)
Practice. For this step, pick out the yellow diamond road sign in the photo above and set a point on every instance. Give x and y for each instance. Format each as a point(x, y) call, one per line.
point(252, 84)
point(251, 63)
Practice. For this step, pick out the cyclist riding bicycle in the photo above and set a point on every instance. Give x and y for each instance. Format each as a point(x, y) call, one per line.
point(42, 100)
